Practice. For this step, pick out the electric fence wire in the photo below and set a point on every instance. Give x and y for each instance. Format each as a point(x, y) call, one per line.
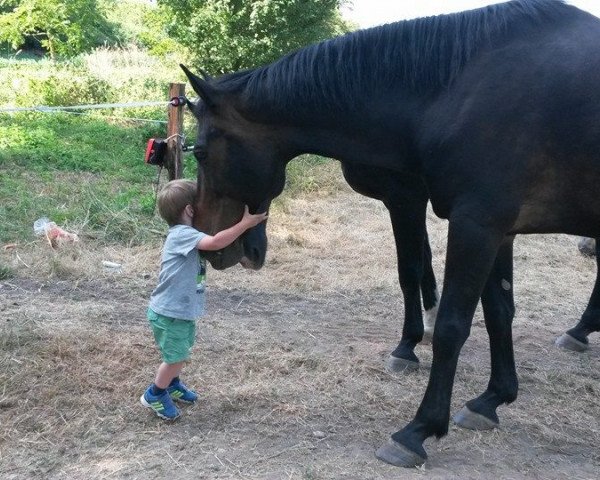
point(113, 117)
point(46, 109)
point(71, 109)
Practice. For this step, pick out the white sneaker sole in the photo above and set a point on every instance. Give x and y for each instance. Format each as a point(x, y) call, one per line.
point(158, 414)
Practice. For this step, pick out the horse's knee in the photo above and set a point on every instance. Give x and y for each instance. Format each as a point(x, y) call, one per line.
point(449, 336)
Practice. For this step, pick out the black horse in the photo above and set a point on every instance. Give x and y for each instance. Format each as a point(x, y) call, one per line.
point(495, 111)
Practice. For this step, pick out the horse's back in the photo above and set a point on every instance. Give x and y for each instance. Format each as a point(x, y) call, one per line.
point(521, 126)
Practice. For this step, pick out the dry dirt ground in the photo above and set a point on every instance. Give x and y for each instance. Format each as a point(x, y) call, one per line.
point(289, 362)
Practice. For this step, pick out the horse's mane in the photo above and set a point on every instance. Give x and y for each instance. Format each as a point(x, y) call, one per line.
point(424, 54)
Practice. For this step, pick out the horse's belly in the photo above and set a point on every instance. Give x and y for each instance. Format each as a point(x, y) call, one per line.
point(557, 217)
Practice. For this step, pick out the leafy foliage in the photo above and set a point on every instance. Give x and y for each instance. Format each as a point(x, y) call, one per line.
point(228, 35)
point(62, 27)
point(63, 88)
point(106, 75)
point(127, 15)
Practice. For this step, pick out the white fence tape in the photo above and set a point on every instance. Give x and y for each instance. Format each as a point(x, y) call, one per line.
point(45, 109)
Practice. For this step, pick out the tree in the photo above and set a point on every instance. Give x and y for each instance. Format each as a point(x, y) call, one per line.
point(65, 27)
point(227, 35)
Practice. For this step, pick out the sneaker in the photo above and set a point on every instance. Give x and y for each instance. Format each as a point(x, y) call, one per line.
point(180, 393)
point(162, 405)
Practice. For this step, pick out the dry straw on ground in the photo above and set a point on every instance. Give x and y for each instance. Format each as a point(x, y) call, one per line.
point(289, 361)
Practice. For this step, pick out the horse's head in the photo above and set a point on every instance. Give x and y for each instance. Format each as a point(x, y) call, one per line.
point(239, 164)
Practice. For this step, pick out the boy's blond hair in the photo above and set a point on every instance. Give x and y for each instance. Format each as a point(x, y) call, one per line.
point(174, 197)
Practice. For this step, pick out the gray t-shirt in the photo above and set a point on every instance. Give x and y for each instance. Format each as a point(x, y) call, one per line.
point(180, 290)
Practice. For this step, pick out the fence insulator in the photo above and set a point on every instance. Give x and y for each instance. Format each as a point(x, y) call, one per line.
point(177, 101)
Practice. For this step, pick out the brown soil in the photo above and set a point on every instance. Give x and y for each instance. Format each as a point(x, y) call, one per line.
point(289, 362)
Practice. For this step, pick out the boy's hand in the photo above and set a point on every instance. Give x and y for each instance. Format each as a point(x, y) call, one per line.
point(226, 237)
point(253, 220)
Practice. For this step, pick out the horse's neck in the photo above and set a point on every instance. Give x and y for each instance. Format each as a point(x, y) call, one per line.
point(370, 128)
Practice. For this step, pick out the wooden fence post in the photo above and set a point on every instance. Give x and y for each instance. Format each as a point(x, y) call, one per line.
point(174, 153)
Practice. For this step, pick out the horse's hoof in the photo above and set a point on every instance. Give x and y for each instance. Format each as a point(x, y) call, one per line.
point(568, 342)
point(587, 246)
point(473, 421)
point(396, 454)
point(400, 365)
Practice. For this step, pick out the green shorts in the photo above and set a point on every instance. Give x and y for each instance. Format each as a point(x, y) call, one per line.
point(173, 336)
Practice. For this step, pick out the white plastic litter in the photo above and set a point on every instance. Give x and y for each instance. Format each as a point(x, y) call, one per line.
point(111, 265)
point(53, 233)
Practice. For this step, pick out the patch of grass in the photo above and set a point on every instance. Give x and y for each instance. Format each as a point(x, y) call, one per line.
point(6, 272)
point(45, 142)
point(310, 174)
point(81, 172)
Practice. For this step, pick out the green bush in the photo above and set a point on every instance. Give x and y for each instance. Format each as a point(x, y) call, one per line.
point(60, 27)
point(63, 88)
point(104, 75)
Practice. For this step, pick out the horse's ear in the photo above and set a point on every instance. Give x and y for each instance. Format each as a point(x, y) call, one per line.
point(204, 90)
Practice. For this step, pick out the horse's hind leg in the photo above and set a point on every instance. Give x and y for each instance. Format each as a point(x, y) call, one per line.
point(576, 338)
point(429, 290)
point(408, 223)
point(498, 309)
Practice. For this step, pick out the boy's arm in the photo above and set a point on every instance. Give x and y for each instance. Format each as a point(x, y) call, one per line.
point(229, 235)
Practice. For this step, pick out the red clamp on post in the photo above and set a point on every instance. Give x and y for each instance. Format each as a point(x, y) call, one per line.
point(155, 152)
point(177, 101)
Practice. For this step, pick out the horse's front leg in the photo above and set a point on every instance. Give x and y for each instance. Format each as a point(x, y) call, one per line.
point(576, 338)
point(471, 253)
point(408, 222)
point(499, 310)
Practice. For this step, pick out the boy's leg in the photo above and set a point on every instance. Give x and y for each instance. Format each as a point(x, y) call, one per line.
point(175, 339)
point(158, 396)
point(167, 377)
point(175, 352)
point(166, 373)
point(172, 337)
